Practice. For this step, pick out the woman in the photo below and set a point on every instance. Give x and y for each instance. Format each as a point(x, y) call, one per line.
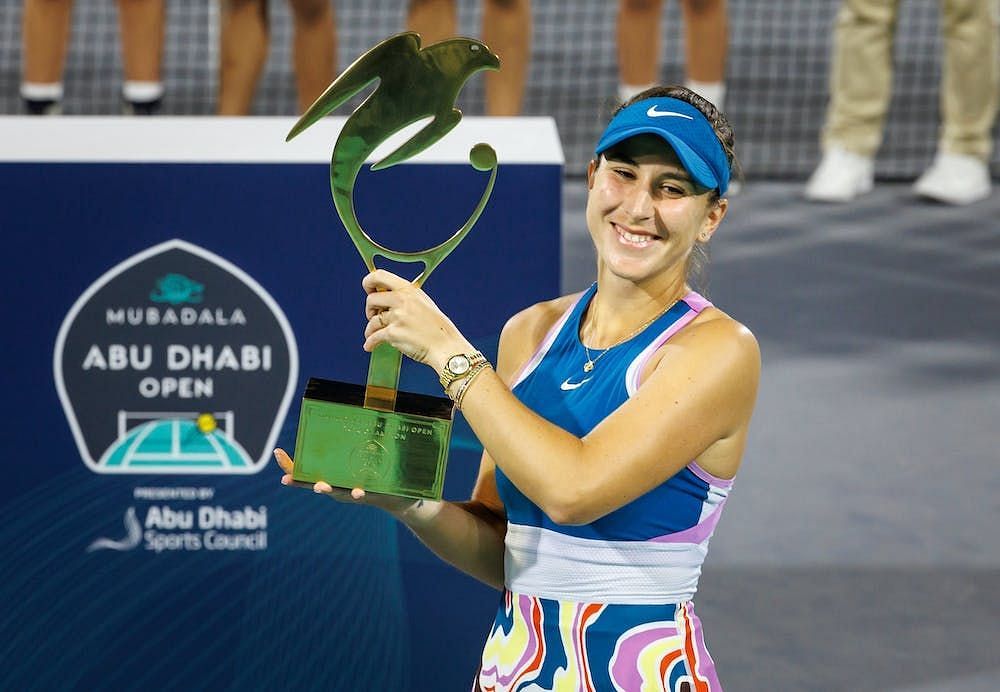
point(613, 425)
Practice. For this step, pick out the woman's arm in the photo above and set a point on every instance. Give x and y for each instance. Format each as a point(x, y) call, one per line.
point(467, 535)
point(701, 392)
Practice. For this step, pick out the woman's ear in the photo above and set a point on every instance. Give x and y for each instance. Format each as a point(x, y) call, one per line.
point(716, 213)
point(591, 169)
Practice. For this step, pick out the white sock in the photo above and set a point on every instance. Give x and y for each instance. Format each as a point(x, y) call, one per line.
point(37, 91)
point(713, 92)
point(142, 92)
point(627, 91)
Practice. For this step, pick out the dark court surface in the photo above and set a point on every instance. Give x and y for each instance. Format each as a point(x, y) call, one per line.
point(860, 549)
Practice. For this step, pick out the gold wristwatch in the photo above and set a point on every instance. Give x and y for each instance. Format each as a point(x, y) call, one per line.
point(459, 366)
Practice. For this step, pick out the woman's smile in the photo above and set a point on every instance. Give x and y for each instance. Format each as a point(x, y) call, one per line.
point(634, 237)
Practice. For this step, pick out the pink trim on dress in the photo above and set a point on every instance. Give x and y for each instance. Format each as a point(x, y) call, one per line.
point(697, 534)
point(726, 483)
point(697, 303)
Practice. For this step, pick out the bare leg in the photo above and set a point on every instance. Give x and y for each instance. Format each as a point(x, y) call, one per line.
point(244, 51)
point(638, 45)
point(46, 25)
point(507, 31)
point(434, 20)
point(314, 48)
point(141, 23)
point(706, 39)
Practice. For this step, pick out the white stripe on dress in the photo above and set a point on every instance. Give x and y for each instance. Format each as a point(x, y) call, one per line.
point(553, 565)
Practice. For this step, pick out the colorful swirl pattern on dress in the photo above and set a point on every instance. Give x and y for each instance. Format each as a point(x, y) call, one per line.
point(515, 649)
point(540, 644)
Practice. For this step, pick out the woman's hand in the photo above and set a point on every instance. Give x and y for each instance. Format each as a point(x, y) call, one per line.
point(403, 316)
point(403, 508)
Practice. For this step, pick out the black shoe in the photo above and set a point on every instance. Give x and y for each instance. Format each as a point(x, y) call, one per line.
point(43, 106)
point(141, 107)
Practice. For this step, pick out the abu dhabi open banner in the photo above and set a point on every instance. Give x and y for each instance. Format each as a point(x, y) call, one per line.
point(175, 361)
point(168, 286)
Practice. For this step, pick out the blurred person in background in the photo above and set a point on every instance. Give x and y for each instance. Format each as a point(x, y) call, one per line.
point(245, 39)
point(45, 39)
point(706, 37)
point(860, 87)
point(506, 30)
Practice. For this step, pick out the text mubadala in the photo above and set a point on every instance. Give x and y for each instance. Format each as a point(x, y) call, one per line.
point(183, 317)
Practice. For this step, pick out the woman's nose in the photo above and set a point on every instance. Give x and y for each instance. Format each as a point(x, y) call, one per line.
point(638, 202)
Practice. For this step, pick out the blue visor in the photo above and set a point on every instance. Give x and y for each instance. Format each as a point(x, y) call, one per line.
point(685, 129)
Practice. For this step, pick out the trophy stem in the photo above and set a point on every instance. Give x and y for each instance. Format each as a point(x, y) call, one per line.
point(383, 378)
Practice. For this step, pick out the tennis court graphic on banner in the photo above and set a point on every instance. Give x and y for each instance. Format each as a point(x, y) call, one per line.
point(175, 361)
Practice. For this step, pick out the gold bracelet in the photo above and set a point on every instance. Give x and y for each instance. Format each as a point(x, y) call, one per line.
point(464, 381)
point(460, 394)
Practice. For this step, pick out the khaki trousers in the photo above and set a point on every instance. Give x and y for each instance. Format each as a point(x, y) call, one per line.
point(861, 75)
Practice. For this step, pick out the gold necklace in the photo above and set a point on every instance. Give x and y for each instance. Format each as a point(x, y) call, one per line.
point(591, 362)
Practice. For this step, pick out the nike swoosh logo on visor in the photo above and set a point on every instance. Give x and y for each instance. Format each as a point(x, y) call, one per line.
point(653, 113)
point(568, 386)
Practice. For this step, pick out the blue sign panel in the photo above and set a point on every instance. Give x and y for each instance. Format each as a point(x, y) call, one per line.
point(169, 285)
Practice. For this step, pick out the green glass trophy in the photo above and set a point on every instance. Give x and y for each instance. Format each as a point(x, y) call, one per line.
point(373, 436)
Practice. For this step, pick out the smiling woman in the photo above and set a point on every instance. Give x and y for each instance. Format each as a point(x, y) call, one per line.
point(613, 425)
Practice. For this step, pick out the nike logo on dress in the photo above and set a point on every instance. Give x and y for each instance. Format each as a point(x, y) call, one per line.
point(568, 386)
point(653, 113)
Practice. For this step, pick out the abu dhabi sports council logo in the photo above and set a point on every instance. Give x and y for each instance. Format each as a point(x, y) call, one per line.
point(175, 361)
point(133, 535)
point(177, 525)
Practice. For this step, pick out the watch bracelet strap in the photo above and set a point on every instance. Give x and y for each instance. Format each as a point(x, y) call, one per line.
point(475, 358)
point(467, 382)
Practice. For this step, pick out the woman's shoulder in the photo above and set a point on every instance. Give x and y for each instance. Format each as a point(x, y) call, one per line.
point(527, 329)
point(713, 323)
point(718, 337)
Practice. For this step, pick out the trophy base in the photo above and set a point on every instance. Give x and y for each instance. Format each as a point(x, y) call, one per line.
point(402, 452)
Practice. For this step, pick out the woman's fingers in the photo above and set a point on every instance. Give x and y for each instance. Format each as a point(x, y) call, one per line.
point(322, 487)
point(284, 461)
point(382, 280)
point(380, 301)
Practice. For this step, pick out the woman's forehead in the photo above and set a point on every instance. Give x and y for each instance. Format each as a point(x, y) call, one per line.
point(645, 146)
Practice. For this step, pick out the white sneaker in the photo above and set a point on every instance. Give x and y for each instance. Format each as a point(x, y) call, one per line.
point(954, 179)
point(841, 176)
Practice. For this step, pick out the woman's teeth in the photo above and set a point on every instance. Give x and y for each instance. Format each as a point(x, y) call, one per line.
point(633, 238)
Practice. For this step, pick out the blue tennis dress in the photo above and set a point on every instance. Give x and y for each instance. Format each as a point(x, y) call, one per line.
point(606, 605)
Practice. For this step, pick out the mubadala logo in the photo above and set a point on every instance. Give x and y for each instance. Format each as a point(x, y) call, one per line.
point(175, 361)
point(206, 527)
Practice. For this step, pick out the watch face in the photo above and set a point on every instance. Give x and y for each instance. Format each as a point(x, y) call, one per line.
point(458, 364)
